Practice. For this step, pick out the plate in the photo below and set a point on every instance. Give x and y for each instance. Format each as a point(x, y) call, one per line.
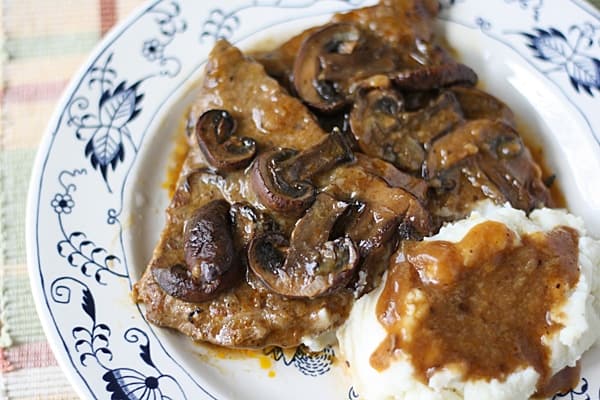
point(96, 198)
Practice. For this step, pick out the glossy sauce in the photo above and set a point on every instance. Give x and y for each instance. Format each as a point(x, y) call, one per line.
point(537, 153)
point(531, 141)
point(176, 161)
point(479, 305)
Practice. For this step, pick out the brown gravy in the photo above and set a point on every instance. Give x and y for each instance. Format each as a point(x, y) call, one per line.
point(480, 305)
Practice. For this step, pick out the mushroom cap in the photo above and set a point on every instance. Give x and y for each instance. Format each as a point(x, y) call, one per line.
point(309, 264)
point(434, 77)
point(309, 86)
point(384, 129)
point(210, 262)
point(493, 158)
point(281, 179)
point(215, 136)
point(333, 58)
point(271, 187)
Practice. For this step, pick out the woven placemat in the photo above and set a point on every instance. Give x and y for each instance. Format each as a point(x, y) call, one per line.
point(43, 44)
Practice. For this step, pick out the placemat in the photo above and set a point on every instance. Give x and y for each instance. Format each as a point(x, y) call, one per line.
point(44, 42)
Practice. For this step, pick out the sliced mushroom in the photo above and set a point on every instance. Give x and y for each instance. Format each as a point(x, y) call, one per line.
point(384, 130)
point(223, 150)
point(477, 104)
point(210, 262)
point(393, 176)
point(280, 178)
point(434, 77)
point(493, 158)
point(376, 220)
point(310, 264)
point(382, 203)
point(333, 57)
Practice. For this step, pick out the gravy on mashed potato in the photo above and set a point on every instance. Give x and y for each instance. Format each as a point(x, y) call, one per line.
point(483, 302)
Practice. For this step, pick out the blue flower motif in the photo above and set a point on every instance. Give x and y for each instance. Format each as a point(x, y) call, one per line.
point(129, 384)
point(62, 203)
point(153, 49)
point(553, 46)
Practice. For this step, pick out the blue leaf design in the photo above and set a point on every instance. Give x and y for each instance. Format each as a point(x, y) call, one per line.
point(84, 356)
point(308, 363)
point(102, 337)
point(145, 354)
point(105, 148)
point(550, 45)
point(88, 304)
point(121, 383)
point(105, 351)
point(352, 394)
point(220, 25)
point(80, 342)
point(118, 109)
point(105, 144)
point(103, 326)
point(313, 364)
point(114, 379)
point(79, 329)
point(76, 234)
point(553, 46)
point(585, 72)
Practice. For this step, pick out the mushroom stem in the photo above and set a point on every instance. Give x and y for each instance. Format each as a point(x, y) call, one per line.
point(280, 179)
point(435, 77)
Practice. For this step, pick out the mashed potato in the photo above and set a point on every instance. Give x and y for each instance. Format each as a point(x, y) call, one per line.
point(580, 317)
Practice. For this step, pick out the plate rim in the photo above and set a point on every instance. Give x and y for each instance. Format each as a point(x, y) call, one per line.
point(53, 338)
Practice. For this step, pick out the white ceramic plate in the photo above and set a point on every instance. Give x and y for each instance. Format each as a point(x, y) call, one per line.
point(96, 202)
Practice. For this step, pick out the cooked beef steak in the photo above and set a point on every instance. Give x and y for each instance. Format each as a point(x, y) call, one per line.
point(249, 314)
point(276, 225)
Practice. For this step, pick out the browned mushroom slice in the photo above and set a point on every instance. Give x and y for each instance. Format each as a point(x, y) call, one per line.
point(222, 150)
point(493, 157)
point(354, 183)
point(273, 189)
point(280, 178)
point(398, 22)
point(211, 265)
point(434, 77)
point(393, 176)
point(477, 104)
point(279, 62)
point(383, 130)
point(380, 214)
point(333, 57)
point(508, 163)
point(309, 265)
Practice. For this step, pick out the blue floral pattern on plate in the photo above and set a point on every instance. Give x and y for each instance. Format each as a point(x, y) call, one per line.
point(553, 46)
point(78, 262)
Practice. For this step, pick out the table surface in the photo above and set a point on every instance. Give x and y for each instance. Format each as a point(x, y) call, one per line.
point(43, 44)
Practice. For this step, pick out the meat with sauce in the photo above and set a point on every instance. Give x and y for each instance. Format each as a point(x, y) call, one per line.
point(296, 191)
